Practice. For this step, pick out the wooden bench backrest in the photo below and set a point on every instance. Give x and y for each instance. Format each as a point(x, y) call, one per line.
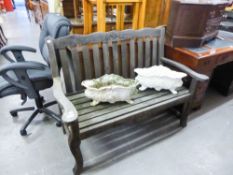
point(81, 57)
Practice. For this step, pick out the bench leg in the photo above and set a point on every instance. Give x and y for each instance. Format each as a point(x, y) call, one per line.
point(188, 105)
point(184, 114)
point(74, 144)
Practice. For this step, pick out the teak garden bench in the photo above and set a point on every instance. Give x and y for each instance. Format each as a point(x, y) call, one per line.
point(78, 57)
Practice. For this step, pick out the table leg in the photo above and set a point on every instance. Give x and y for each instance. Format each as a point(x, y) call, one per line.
point(166, 12)
point(87, 14)
point(101, 15)
point(76, 9)
point(120, 17)
point(135, 15)
point(90, 17)
point(142, 14)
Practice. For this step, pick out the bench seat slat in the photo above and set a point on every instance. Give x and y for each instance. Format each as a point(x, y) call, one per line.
point(106, 108)
point(111, 113)
point(89, 116)
point(147, 110)
point(85, 107)
point(80, 99)
point(76, 96)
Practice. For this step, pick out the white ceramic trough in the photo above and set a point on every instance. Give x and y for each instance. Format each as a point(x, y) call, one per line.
point(159, 77)
point(110, 88)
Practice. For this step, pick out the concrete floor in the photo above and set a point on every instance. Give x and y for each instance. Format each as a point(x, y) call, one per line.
point(204, 147)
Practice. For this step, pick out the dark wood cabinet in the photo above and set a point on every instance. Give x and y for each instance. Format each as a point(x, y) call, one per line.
point(206, 60)
point(192, 24)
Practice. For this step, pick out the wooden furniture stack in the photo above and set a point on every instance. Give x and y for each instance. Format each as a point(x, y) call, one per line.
point(72, 8)
point(139, 7)
point(156, 14)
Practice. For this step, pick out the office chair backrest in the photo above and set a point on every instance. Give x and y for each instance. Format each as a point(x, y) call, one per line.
point(54, 26)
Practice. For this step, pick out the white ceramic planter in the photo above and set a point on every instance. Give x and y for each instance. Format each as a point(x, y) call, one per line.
point(110, 88)
point(159, 77)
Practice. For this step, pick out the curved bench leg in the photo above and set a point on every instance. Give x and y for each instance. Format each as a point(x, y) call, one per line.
point(74, 144)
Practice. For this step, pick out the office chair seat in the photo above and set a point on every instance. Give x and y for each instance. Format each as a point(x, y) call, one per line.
point(41, 79)
point(7, 89)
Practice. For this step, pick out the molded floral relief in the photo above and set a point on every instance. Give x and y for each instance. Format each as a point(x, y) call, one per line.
point(159, 77)
point(110, 88)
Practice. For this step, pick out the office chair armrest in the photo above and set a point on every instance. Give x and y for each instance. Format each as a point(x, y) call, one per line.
point(16, 51)
point(19, 68)
point(69, 113)
point(17, 48)
point(190, 72)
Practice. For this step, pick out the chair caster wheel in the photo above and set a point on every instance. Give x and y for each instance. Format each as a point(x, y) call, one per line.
point(58, 124)
point(23, 132)
point(14, 114)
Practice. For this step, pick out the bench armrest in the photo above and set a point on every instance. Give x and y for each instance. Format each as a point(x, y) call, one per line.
point(190, 72)
point(69, 113)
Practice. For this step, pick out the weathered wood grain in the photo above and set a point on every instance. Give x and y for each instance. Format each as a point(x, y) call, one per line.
point(90, 56)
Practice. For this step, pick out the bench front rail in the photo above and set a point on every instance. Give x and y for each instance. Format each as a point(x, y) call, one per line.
point(78, 57)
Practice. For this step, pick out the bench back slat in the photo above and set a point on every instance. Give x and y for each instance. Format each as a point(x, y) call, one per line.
point(132, 58)
point(87, 62)
point(116, 57)
point(147, 52)
point(155, 52)
point(66, 68)
point(124, 59)
point(140, 52)
point(97, 60)
point(107, 63)
point(91, 56)
point(77, 67)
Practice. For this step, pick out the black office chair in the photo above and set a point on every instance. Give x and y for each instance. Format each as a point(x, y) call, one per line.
point(28, 78)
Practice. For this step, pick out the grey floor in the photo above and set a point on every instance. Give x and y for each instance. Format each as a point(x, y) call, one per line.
point(204, 147)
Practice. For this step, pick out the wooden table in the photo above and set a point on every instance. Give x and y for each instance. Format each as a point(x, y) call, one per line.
point(204, 59)
point(138, 13)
